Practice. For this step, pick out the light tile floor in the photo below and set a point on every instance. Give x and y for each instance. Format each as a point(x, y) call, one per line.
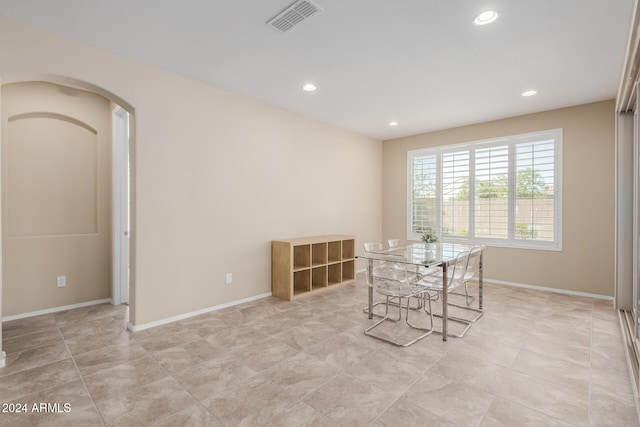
point(535, 358)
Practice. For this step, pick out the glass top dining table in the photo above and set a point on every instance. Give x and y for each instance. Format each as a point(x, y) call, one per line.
point(425, 255)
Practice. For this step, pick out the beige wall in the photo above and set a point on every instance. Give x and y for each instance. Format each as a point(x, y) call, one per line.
point(56, 191)
point(586, 261)
point(217, 175)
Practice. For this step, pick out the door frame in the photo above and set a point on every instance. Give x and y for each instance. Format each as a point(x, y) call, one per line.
point(120, 207)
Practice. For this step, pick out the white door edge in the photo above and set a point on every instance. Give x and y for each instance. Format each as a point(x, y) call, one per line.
point(120, 208)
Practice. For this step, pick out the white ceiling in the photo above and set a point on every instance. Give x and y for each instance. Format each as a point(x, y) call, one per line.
point(419, 62)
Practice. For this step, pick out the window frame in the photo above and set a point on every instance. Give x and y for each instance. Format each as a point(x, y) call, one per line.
point(511, 141)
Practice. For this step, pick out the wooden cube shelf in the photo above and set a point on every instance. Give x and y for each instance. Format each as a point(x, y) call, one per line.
point(305, 265)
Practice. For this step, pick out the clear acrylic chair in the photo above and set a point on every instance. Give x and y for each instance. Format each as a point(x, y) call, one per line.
point(471, 272)
point(455, 279)
point(390, 268)
point(396, 287)
point(379, 268)
point(417, 269)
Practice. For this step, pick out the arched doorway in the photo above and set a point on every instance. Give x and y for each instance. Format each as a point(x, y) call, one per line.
point(28, 121)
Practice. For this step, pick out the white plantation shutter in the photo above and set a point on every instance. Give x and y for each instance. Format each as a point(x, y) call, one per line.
point(502, 192)
point(491, 203)
point(455, 207)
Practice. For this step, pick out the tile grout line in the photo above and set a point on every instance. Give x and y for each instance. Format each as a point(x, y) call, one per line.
point(84, 384)
point(511, 371)
point(36, 366)
point(39, 366)
point(150, 354)
point(498, 393)
point(418, 378)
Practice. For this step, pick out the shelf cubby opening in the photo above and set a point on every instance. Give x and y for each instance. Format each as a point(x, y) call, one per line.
point(348, 270)
point(301, 257)
point(319, 277)
point(319, 253)
point(301, 282)
point(335, 273)
point(335, 251)
point(348, 249)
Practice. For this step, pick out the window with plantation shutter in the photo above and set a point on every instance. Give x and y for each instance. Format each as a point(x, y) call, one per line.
point(501, 192)
point(535, 166)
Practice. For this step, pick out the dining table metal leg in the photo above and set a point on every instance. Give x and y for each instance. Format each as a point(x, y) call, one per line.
point(370, 285)
point(480, 287)
point(445, 309)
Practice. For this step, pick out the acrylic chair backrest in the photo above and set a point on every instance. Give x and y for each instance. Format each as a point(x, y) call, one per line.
point(394, 243)
point(392, 267)
point(373, 246)
point(457, 271)
point(472, 265)
point(381, 268)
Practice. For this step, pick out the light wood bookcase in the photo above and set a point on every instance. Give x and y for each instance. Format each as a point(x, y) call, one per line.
point(303, 265)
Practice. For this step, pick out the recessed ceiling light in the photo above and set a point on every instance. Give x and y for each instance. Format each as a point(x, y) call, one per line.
point(394, 123)
point(309, 87)
point(529, 92)
point(486, 17)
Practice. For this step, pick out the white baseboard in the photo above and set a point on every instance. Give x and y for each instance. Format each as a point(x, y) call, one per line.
point(137, 328)
point(3, 359)
point(55, 309)
point(542, 288)
point(539, 288)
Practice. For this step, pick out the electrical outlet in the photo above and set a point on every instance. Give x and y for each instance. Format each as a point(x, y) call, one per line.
point(229, 278)
point(61, 281)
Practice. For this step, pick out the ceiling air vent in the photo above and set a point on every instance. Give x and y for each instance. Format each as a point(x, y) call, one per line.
point(293, 15)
